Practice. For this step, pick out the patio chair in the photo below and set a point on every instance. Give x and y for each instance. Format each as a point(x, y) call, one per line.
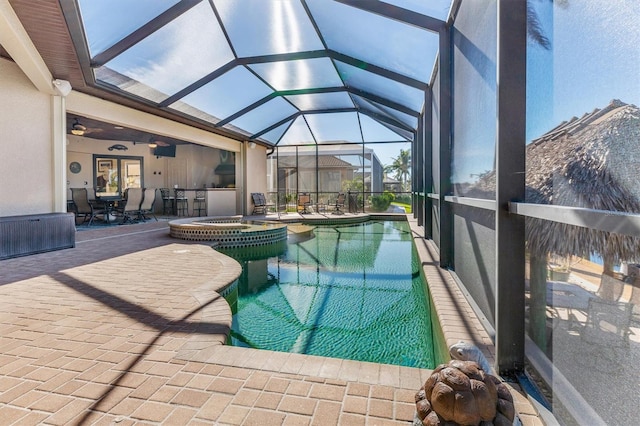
point(199, 202)
point(339, 204)
point(130, 211)
point(634, 299)
point(304, 201)
point(610, 288)
point(148, 201)
point(260, 204)
point(605, 336)
point(83, 207)
point(182, 202)
point(353, 202)
point(167, 200)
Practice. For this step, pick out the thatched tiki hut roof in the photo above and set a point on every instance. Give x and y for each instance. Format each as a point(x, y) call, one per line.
point(591, 162)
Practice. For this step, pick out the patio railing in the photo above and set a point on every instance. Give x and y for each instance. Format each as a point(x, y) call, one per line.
point(355, 202)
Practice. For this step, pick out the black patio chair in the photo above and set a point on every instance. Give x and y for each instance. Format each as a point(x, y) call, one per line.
point(182, 202)
point(260, 204)
point(200, 202)
point(339, 204)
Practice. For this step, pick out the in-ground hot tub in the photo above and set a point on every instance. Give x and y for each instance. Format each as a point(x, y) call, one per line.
point(228, 231)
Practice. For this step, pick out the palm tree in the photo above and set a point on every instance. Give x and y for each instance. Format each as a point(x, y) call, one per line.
point(401, 166)
point(534, 26)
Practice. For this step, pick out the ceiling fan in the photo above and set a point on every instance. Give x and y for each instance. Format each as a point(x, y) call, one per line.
point(77, 128)
point(80, 129)
point(153, 142)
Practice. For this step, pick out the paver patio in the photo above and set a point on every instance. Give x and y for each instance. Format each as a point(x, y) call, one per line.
point(127, 328)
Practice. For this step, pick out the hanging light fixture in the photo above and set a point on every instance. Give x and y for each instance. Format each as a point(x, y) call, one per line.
point(77, 128)
point(153, 145)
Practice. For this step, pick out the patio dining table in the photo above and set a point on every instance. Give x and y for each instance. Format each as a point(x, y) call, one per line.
point(565, 295)
point(109, 203)
point(568, 296)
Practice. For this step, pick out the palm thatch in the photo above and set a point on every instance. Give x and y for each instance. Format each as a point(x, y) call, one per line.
point(591, 162)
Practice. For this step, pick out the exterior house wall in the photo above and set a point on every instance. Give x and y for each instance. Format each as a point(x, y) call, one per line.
point(256, 171)
point(26, 163)
point(26, 126)
point(81, 149)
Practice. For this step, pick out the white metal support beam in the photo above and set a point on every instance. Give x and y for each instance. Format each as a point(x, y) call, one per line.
point(59, 153)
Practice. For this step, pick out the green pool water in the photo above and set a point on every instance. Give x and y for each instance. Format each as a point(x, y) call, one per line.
point(351, 292)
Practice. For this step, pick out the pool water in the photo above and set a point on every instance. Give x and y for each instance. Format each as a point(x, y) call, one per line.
point(351, 292)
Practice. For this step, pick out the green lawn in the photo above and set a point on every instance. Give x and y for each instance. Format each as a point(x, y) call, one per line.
point(407, 207)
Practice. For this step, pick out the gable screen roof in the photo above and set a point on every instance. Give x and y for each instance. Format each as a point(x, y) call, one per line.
point(267, 70)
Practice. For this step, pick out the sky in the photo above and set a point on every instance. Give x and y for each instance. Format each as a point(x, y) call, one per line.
point(594, 58)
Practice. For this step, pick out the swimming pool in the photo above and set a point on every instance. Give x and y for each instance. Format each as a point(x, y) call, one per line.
point(351, 292)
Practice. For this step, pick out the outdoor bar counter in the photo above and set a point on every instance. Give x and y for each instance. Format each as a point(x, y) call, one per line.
point(221, 201)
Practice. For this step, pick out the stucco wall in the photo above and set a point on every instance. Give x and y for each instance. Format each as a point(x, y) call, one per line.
point(198, 162)
point(256, 174)
point(26, 169)
point(81, 150)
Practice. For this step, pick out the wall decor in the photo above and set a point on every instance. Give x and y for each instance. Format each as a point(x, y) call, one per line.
point(75, 167)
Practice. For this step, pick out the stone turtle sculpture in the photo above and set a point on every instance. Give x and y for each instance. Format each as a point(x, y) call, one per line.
point(462, 393)
point(468, 352)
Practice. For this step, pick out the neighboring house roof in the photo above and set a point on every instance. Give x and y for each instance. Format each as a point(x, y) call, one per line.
point(307, 162)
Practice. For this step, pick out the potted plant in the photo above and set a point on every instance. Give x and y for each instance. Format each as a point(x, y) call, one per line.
point(559, 268)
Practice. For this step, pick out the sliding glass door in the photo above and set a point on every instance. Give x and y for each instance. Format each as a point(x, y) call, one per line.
point(113, 174)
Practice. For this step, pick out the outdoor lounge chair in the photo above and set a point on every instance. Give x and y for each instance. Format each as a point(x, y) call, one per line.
point(83, 207)
point(260, 204)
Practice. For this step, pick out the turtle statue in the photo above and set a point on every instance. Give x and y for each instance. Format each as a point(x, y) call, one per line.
point(462, 393)
point(467, 352)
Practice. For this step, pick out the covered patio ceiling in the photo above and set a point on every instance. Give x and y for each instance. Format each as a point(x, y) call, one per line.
point(281, 72)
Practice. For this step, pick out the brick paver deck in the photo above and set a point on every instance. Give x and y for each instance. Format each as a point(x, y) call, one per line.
point(127, 328)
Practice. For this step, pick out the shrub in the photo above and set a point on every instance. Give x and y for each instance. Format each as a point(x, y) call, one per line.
point(403, 199)
point(380, 203)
